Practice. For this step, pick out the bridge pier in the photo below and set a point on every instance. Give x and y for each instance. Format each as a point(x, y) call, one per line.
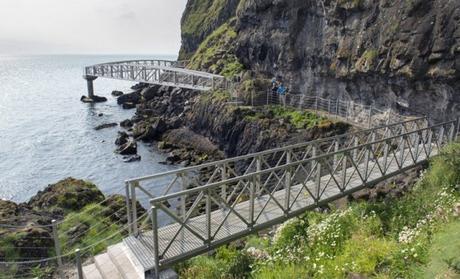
point(89, 81)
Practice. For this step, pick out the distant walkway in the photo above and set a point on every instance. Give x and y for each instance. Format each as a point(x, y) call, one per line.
point(159, 72)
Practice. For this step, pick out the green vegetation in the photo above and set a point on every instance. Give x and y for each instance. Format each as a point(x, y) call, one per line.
point(299, 119)
point(201, 16)
point(415, 236)
point(89, 227)
point(215, 53)
point(367, 60)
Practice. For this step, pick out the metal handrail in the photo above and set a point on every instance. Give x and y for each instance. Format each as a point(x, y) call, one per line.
point(269, 170)
point(274, 150)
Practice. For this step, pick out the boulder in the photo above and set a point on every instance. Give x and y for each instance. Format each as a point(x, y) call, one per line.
point(95, 99)
point(126, 123)
point(139, 86)
point(147, 131)
point(105, 126)
point(134, 98)
point(128, 105)
point(150, 93)
point(122, 138)
point(133, 158)
point(117, 93)
point(67, 194)
point(129, 148)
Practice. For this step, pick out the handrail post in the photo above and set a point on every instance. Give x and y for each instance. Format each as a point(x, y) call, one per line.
point(128, 208)
point(78, 262)
point(430, 138)
point(344, 172)
point(57, 247)
point(156, 252)
point(288, 182)
point(370, 148)
point(224, 186)
point(336, 156)
point(258, 177)
point(355, 150)
point(329, 108)
point(318, 181)
point(386, 150)
point(134, 207)
point(401, 152)
point(252, 196)
point(208, 219)
point(183, 197)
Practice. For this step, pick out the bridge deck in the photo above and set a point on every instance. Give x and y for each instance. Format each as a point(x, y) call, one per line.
point(187, 244)
point(159, 72)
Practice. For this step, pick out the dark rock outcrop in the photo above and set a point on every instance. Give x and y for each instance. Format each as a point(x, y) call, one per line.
point(130, 98)
point(122, 138)
point(105, 126)
point(117, 93)
point(126, 123)
point(403, 55)
point(129, 148)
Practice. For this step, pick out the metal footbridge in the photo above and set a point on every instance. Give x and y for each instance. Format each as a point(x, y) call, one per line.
point(203, 207)
point(158, 72)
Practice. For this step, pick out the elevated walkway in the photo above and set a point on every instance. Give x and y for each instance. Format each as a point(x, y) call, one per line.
point(203, 207)
point(158, 72)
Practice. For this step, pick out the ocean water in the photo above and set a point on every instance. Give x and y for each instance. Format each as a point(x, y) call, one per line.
point(47, 134)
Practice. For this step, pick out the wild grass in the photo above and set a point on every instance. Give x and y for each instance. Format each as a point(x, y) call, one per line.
point(89, 228)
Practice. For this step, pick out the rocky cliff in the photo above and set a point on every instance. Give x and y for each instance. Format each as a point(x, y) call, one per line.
point(397, 54)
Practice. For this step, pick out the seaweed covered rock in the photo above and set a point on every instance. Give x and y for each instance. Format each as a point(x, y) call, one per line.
point(68, 194)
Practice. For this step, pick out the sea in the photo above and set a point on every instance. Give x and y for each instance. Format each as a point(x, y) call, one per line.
point(47, 134)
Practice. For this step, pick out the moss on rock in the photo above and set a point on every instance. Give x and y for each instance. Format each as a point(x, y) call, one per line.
point(216, 53)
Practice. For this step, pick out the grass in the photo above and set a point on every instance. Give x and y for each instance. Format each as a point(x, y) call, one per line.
point(415, 236)
point(300, 119)
point(444, 254)
point(102, 231)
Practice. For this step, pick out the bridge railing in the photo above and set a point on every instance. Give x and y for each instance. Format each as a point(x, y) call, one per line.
point(162, 72)
point(363, 115)
point(274, 193)
point(145, 188)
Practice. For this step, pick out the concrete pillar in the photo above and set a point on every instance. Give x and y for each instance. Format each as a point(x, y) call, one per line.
point(89, 81)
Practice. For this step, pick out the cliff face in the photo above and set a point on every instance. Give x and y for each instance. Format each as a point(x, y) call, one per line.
point(395, 54)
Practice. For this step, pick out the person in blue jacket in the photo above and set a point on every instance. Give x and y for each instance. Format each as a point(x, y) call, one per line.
point(282, 93)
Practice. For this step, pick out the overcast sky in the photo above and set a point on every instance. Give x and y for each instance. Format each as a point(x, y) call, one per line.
point(90, 26)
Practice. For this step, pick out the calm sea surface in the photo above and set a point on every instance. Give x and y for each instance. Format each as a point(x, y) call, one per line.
point(47, 134)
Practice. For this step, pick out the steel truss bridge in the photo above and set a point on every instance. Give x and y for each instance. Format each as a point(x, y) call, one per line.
point(203, 207)
point(159, 72)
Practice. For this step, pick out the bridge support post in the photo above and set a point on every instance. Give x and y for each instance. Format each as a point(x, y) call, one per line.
point(156, 252)
point(89, 83)
point(288, 182)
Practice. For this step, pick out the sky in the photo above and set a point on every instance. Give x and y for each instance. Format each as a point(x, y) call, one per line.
point(90, 26)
